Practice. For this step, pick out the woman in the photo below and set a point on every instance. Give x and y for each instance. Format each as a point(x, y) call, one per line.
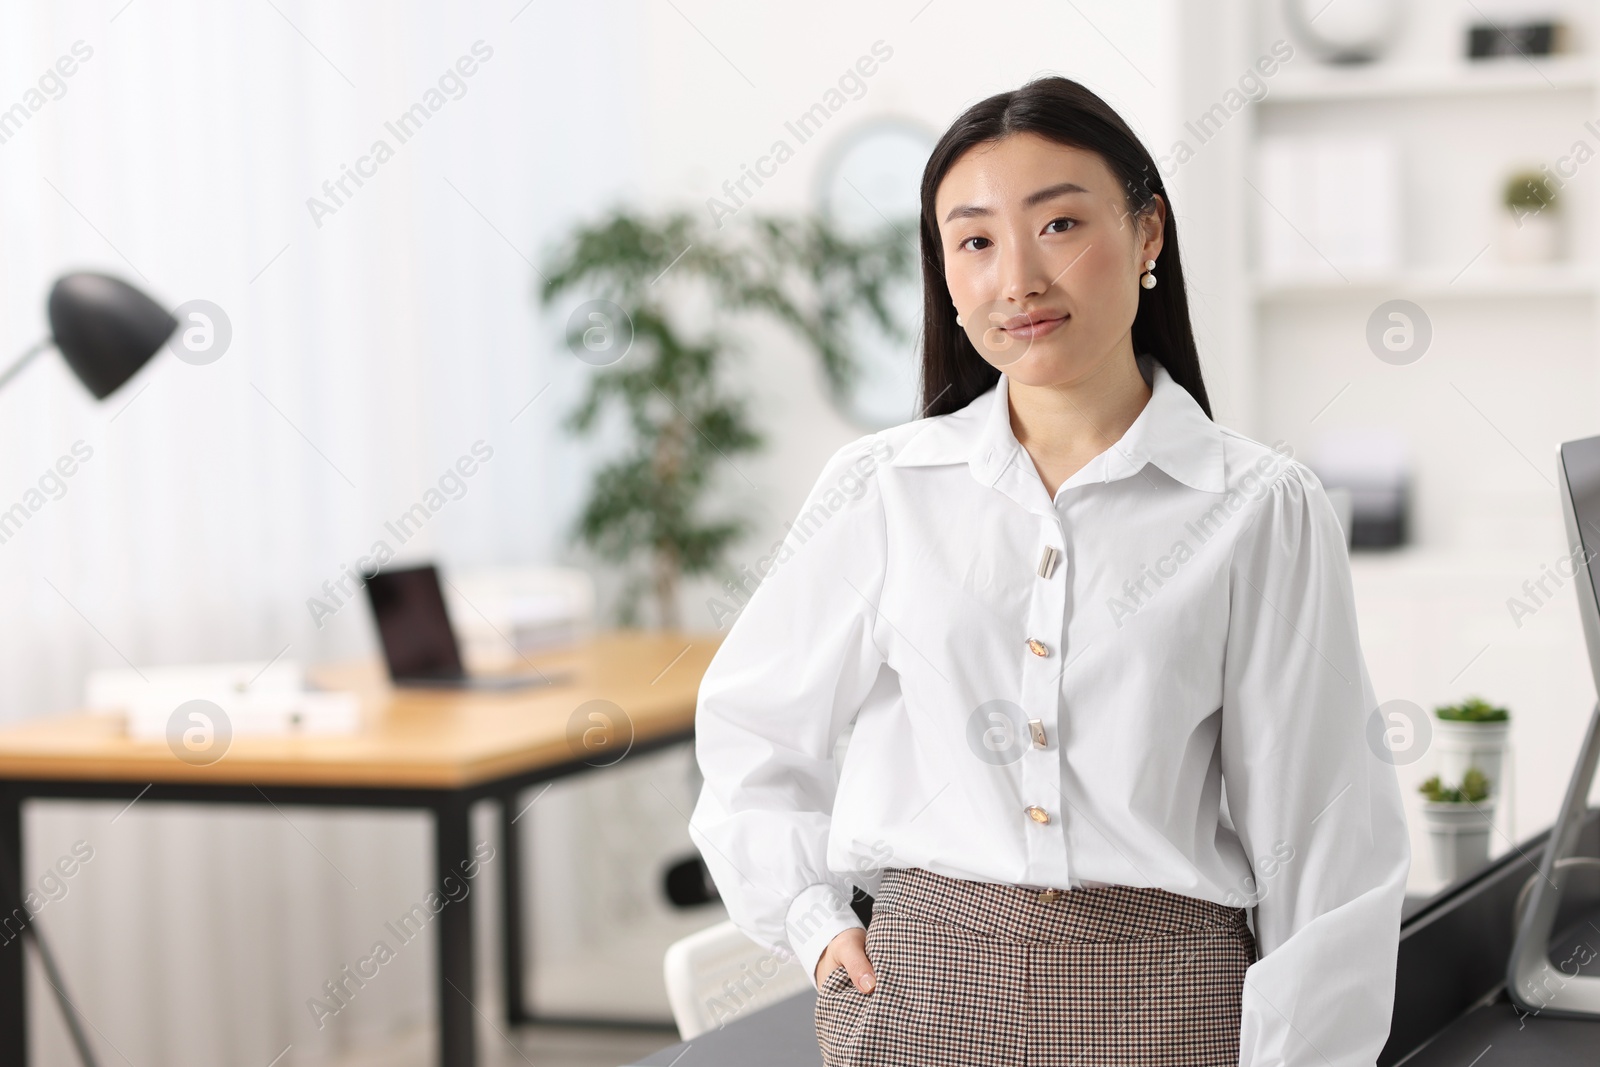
point(1098, 661)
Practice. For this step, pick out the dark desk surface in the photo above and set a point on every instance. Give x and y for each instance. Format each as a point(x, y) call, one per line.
point(1502, 1033)
point(780, 1036)
point(1498, 1035)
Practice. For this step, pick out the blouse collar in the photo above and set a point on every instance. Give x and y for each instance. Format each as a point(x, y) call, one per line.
point(1172, 431)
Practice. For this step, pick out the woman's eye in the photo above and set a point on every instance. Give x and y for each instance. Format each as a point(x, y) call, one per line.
point(1052, 222)
point(969, 240)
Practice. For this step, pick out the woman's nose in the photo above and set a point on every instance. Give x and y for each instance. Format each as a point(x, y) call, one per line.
point(1023, 274)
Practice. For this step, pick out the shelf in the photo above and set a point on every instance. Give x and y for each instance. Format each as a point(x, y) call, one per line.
point(1477, 282)
point(1488, 565)
point(1387, 82)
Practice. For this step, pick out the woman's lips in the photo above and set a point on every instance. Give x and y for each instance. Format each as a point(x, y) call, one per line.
point(1035, 330)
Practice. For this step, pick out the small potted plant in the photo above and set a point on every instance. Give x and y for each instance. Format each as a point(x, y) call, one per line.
point(1458, 820)
point(1472, 733)
point(1530, 229)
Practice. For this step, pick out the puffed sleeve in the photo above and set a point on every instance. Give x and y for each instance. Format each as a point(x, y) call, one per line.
point(1317, 809)
point(796, 665)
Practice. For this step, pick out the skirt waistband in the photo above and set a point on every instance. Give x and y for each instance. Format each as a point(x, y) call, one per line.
point(1086, 914)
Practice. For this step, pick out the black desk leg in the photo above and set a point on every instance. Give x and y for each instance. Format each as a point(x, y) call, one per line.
point(457, 1009)
point(511, 909)
point(13, 973)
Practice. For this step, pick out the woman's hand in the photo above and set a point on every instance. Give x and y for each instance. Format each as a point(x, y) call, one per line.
point(849, 950)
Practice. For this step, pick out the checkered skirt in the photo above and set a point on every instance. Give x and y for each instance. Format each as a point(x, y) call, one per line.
point(973, 973)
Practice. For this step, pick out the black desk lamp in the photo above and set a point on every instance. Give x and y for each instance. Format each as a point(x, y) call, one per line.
point(105, 328)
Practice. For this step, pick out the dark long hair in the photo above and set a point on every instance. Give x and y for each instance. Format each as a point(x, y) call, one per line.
point(953, 373)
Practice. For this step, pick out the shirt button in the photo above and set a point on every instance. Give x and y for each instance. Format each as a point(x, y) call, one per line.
point(1037, 814)
point(1037, 647)
point(1050, 896)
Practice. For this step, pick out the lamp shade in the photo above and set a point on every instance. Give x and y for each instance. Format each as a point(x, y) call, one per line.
point(106, 329)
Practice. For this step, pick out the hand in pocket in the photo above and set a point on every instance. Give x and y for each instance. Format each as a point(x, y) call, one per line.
point(848, 949)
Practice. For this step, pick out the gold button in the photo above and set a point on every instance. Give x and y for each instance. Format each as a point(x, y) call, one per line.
point(1037, 814)
point(1037, 647)
point(1050, 896)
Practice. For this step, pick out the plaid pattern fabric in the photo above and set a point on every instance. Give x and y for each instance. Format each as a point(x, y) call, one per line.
point(973, 973)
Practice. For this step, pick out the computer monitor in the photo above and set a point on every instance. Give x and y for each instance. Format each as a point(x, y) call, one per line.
point(1580, 505)
point(1533, 982)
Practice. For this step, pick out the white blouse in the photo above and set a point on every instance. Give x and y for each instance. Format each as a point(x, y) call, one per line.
point(1153, 679)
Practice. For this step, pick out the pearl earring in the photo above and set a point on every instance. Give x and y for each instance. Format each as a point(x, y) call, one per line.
point(958, 317)
point(1149, 279)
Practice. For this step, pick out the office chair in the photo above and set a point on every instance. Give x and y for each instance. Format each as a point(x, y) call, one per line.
point(719, 974)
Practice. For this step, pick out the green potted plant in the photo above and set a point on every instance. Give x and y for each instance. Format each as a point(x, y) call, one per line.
point(673, 285)
point(1530, 228)
point(1472, 733)
point(1458, 820)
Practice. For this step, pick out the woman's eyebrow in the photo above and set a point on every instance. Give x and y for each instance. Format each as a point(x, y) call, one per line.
point(1050, 192)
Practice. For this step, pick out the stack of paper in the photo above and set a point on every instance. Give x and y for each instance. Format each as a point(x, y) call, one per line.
point(258, 699)
point(502, 613)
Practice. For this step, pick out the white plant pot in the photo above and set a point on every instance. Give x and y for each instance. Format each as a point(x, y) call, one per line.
point(1537, 239)
point(1459, 836)
point(1459, 745)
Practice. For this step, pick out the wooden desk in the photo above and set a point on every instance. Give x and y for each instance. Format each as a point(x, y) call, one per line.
point(440, 751)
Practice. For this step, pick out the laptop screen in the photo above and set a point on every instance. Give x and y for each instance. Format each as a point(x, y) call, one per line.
point(413, 625)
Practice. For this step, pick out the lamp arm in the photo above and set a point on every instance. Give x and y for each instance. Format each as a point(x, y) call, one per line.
point(23, 360)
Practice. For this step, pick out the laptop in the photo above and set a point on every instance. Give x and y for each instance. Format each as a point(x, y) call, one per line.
point(419, 644)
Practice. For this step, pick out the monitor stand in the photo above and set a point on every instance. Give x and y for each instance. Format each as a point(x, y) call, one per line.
point(1534, 984)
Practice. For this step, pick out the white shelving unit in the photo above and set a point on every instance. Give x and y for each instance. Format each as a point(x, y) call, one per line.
point(1476, 282)
point(1513, 369)
point(1382, 81)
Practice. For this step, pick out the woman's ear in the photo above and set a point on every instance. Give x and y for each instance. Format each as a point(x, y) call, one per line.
point(1153, 224)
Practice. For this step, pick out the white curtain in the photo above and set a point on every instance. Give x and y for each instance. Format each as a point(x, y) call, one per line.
point(372, 345)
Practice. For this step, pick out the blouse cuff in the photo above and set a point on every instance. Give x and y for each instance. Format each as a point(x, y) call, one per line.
point(817, 915)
